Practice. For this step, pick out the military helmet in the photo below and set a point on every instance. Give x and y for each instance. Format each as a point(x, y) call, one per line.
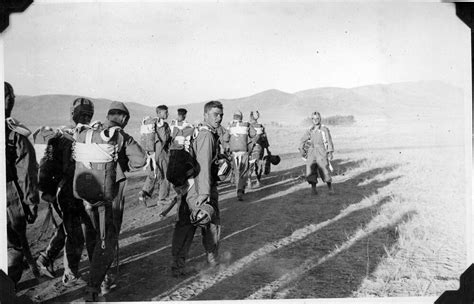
point(200, 217)
point(237, 115)
point(8, 88)
point(119, 106)
point(81, 106)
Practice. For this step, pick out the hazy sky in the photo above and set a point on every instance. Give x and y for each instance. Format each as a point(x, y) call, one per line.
point(177, 53)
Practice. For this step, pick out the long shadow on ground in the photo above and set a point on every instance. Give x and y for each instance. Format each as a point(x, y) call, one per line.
point(146, 274)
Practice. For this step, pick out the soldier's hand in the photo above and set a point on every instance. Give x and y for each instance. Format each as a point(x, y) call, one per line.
point(202, 198)
point(31, 217)
point(330, 156)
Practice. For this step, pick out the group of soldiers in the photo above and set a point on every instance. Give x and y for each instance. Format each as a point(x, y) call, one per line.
point(184, 160)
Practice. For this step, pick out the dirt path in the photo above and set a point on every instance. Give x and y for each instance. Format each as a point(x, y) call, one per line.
point(281, 242)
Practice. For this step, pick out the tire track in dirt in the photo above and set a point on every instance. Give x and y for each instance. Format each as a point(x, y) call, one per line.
point(208, 279)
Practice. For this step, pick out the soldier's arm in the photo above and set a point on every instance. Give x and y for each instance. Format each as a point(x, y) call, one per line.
point(204, 158)
point(27, 170)
point(135, 155)
point(304, 139)
point(329, 138)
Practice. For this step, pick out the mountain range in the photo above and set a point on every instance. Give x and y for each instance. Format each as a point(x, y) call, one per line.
point(383, 101)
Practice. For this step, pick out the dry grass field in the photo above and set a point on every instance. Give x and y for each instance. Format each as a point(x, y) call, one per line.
point(395, 228)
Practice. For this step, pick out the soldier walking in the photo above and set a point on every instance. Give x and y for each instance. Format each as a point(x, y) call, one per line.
point(199, 204)
point(317, 147)
point(56, 173)
point(157, 174)
point(261, 144)
point(105, 200)
point(239, 139)
point(22, 190)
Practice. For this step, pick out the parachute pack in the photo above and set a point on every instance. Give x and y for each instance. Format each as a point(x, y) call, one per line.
point(46, 141)
point(182, 163)
point(95, 151)
point(148, 133)
point(238, 136)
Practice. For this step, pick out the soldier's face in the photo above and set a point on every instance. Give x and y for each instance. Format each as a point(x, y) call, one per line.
point(214, 117)
point(316, 119)
point(181, 118)
point(84, 118)
point(163, 114)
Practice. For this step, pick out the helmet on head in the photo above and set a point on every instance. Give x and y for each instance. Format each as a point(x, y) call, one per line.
point(254, 116)
point(81, 106)
point(237, 115)
point(8, 88)
point(117, 106)
point(9, 99)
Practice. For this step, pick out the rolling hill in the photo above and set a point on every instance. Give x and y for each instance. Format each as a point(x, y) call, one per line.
point(386, 101)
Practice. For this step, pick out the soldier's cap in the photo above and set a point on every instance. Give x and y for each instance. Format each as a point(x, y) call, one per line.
point(8, 89)
point(118, 106)
point(182, 111)
point(237, 115)
point(161, 107)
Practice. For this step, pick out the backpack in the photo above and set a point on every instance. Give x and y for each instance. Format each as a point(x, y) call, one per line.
point(95, 151)
point(148, 133)
point(45, 141)
point(182, 164)
point(239, 136)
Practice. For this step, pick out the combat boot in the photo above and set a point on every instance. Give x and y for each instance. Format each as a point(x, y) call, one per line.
point(107, 284)
point(46, 266)
point(331, 189)
point(240, 195)
point(93, 295)
point(70, 279)
point(142, 197)
point(313, 189)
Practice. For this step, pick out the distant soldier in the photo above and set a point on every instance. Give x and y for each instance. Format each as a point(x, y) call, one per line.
point(22, 189)
point(239, 139)
point(317, 147)
point(199, 206)
point(103, 154)
point(157, 174)
point(180, 128)
point(56, 175)
point(261, 143)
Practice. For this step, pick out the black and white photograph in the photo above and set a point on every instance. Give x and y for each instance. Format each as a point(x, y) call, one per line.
point(296, 151)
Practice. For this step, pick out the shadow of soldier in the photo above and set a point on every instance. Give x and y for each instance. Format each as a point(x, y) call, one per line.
point(246, 227)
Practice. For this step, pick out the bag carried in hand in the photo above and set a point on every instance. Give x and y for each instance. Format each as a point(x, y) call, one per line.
point(96, 152)
point(270, 160)
point(181, 167)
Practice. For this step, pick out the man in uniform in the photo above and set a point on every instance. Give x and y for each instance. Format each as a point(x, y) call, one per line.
point(261, 143)
point(56, 183)
point(240, 138)
point(22, 190)
point(316, 145)
point(130, 157)
point(158, 174)
point(199, 206)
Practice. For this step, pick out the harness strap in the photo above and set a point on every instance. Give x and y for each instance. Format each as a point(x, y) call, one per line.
point(101, 210)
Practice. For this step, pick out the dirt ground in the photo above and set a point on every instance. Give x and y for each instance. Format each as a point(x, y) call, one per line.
point(395, 227)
